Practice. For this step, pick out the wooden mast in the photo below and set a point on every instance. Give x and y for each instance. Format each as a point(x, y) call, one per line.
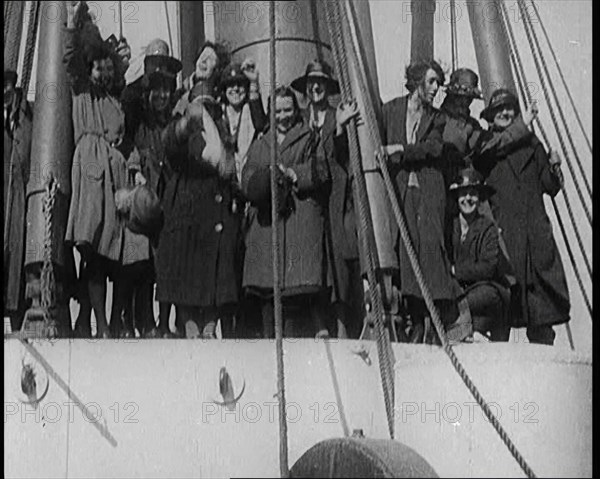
point(421, 37)
point(192, 32)
point(51, 154)
point(491, 47)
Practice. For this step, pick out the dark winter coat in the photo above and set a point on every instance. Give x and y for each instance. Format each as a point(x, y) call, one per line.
point(340, 221)
point(199, 245)
point(304, 267)
point(149, 158)
point(424, 207)
point(477, 260)
point(17, 149)
point(520, 179)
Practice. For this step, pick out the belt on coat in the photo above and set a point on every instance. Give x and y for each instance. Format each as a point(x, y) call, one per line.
point(113, 144)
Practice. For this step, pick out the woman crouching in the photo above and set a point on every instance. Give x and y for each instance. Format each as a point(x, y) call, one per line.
point(304, 182)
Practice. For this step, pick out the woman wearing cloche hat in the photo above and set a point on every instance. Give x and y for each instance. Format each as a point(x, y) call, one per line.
point(317, 85)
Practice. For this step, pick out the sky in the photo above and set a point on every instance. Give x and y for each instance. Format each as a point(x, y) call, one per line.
point(569, 25)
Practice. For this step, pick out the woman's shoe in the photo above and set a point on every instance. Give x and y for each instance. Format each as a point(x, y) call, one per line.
point(154, 333)
point(127, 334)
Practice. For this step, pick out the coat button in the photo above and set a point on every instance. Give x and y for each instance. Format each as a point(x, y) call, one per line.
point(219, 227)
point(218, 198)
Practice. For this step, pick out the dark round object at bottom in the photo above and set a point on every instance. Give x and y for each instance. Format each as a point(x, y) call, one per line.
point(360, 457)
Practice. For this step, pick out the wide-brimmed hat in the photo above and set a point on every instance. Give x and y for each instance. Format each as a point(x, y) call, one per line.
point(470, 178)
point(464, 82)
point(317, 69)
point(146, 214)
point(10, 76)
point(501, 97)
point(233, 74)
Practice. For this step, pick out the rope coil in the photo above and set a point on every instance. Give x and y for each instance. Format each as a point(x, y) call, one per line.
point(47, 279)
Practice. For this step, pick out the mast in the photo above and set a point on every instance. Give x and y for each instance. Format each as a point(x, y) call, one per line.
point(51, 153)
point(302, 36)
point(192, 31)
point(491, 47)
point(421, 37)
point(384, 226)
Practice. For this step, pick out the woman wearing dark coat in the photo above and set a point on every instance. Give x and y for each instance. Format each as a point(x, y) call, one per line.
point(520, 179)
point(18, 117)
point(478, 263)
point(317, 84)
point(413, 135)
point(152, 168)
point(304, 186)
point(199, 244)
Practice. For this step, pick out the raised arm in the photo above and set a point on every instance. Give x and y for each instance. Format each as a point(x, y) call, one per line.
point(73, 51)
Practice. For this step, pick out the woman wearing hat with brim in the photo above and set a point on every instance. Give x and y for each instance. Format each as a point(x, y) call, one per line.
point(477, 263)
point(147, 166)
point(521, 176)
point(317, 85)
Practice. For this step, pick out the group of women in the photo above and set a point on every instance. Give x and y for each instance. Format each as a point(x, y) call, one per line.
point(200, 153)
point(173, 187)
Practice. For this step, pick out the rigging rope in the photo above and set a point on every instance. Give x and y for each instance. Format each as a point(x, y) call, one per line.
point(533, 44)
point(564, 82)
point(517, 57)
point(367, 243)
point(30, 46)
point(526, 96)
point(169, 28)
point(13, 30)
point(390, 190)
point(275, 221)
point(120, 19)
point(453, 35)
point(555, 96)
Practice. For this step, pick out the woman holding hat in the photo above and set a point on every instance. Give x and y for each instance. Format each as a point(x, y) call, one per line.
point(149, 164)
point(478, 263)
point(317, 85)
point(520, 178)
point(96, 72)
point(198, 247)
